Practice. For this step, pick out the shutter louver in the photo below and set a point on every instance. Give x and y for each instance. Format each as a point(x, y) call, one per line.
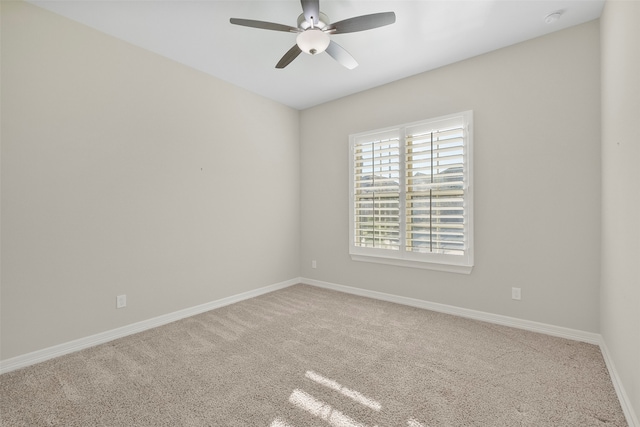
point(377, 193)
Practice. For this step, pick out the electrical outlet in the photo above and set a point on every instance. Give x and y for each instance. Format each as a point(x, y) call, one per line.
point(516, 294)
point(121, 301)
point(314, 264)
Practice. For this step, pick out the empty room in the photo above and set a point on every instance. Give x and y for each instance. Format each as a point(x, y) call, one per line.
point(320, 213)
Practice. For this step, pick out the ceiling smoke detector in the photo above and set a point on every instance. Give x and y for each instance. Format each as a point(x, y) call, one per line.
point(553, 16)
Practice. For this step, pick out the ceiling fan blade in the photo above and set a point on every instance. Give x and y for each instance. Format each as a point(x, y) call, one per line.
point(263, 25)
point(311, 10)
point(338, 53)
point(362, 23)
point(289, 56)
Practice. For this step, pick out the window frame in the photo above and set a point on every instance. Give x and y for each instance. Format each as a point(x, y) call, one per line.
point(401, 257)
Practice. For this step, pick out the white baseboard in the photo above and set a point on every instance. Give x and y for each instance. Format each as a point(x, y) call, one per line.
point(558, 331)
point(82, 343)
point(528, 325)
point(625, 402)
point(38, 356)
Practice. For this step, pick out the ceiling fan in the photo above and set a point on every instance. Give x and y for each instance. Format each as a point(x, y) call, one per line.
point(314, 30)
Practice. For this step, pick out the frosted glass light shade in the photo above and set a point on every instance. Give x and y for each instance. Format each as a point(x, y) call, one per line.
point(313, 41)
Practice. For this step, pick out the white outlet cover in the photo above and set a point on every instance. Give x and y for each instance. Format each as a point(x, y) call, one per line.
point(516, 293)
point(121, 301)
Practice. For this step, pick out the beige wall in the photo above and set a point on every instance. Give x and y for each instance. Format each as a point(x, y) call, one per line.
point(121, 173)
point(126, 173)
point(537, 179)
point(620, 294)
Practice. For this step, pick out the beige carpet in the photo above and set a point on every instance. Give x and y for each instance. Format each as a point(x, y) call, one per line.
point(305, 356)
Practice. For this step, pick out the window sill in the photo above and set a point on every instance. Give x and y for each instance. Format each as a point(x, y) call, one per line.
point(451, 268)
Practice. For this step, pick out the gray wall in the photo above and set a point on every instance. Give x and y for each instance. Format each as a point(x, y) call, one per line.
point(620, 294)
point(537, 179)
point(127, 173)
point(122, 172)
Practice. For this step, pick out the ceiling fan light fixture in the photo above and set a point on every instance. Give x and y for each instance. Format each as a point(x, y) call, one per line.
point(313, 41)
point(314, 31)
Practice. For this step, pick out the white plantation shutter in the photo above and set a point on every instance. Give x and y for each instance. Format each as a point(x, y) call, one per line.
point(377, 192)
point(435, 190)
point(410, 198)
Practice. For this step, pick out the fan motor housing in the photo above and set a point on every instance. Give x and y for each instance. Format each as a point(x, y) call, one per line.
point(323, 22)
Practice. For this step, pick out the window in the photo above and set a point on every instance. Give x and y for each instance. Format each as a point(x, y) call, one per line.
point(411, 197)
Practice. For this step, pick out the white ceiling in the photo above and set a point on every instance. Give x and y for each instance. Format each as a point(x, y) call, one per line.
point(427, 34)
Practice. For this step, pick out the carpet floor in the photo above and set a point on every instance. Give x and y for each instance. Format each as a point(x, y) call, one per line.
point(305, 356)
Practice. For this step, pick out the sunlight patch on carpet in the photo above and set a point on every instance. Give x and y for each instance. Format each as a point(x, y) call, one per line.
point(321, 410)
point(279, 423)
point(352, 394)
